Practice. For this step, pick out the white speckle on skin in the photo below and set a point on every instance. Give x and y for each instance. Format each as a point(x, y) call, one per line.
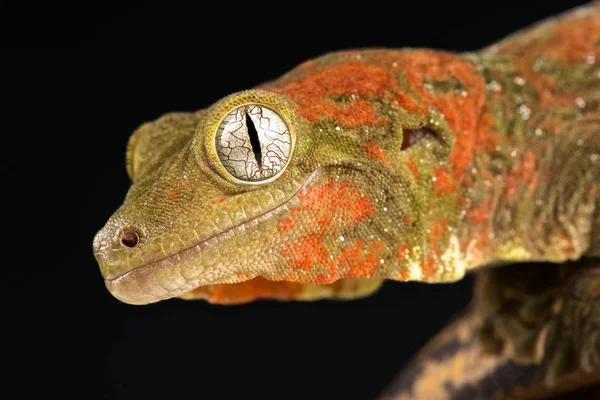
point(519, 81)
point(590, 58)
point(580, 102)
point(494, 86)
point(524, 111)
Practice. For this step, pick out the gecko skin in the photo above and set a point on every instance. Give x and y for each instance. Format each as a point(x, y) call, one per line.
point(360, 166)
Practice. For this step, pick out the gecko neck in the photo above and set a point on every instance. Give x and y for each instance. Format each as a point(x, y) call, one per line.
point(537, 163)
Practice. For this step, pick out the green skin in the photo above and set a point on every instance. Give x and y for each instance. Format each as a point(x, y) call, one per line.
point(466, 198)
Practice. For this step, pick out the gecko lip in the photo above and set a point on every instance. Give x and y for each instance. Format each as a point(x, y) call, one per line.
point(127, 286)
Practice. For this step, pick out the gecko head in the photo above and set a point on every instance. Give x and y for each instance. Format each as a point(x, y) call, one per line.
point(264, 195)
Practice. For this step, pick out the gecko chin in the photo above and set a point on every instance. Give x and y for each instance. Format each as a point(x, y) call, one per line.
point(161, 280)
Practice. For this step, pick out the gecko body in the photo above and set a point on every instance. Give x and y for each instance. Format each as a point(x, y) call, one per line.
point(361, 166)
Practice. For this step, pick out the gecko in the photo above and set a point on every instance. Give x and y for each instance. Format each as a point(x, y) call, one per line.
point(410, 164)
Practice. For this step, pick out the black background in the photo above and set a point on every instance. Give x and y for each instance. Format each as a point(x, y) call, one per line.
point(76, 80)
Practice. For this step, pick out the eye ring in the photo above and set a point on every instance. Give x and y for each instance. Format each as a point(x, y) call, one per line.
point(252, 143)
point(204, 140)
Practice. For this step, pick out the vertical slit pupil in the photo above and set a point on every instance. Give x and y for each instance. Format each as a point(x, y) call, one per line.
point(254, 141)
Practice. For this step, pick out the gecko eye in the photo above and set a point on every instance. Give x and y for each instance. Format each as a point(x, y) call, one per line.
point(253, 143)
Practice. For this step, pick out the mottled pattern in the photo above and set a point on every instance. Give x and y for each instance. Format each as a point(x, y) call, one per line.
point(410, 164)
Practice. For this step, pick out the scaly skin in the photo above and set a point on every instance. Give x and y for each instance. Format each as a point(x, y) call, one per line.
point(407, 164)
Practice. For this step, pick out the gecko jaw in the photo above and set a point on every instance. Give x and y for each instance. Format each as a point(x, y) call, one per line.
point(131, 281)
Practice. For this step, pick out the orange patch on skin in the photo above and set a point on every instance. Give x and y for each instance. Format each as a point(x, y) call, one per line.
point(373, 150)
point(315, 90)
point(575, 40)
point(397, 76)
point(444, 183)
point(523, 173)
point(355, 114)
point(529, 169)
point(480, 214)
point(429, 267)
point(306, 253)
point(439, 227)
point(361, 258)
point(402, 276)
point(174, 194)
point(512, 181)
point(461, 112)
point(326, 200)
point(250, 290)
point(483, 239)
point(402, 252)
point(467, 181)
point(410, 105)
point(568, 42)
point(329, 205)
point(219, 199)
point(487, 139)
point(377, 246)
point(286, 225)
point(412, 165)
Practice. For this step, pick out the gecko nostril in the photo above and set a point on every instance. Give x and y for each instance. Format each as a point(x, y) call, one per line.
point(129, 238)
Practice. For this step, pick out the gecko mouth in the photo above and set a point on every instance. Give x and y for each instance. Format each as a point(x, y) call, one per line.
point(178, 273)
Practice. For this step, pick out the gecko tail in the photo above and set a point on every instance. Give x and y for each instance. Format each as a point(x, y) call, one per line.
point(455, 366)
